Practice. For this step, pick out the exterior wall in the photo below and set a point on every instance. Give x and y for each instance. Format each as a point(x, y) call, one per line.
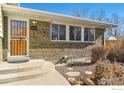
point(42, 47)
point(1, 56)
point(5, 39)
point(99, 36)
point(1, 33)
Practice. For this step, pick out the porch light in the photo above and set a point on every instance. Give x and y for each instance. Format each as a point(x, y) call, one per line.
point(34, 23)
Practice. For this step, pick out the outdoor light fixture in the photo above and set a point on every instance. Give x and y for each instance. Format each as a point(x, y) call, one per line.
point(34, 23)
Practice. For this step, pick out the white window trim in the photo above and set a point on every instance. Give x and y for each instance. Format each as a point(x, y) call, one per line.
point(94, 34)
point(82, 34)
point(58, 32)
point(67, 33)
point(74, 33)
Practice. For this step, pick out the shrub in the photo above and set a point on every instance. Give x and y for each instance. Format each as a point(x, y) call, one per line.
point(106, 70)
point(121, 57)
point(112, 56)
point(118, 70)
point(103, 69)
point(98, 52)
point(116, 54)
point(113, 81)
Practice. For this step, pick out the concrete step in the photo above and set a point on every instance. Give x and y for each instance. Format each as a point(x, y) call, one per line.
point(50, 78)
point(19, 72)
point(6, 78)
point(6, 68)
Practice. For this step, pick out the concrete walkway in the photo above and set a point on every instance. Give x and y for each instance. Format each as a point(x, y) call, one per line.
point(49, 76)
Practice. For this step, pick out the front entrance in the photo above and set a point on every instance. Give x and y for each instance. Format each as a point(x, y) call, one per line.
point(18, 41)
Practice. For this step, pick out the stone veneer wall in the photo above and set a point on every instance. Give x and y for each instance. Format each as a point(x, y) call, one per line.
point(99, 36)
point(1, 55)
point(5, 39)
point(42, 47)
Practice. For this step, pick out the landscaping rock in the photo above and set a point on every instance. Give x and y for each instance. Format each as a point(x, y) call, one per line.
point(70, 68)
point(71, 79)
point(88, 81)
point(76, 82)
point(88, 72)
point(81, 83)
point(73, 73)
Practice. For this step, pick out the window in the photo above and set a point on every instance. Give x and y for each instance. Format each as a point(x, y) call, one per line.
point(75, 33)
point(58, 32)
point(89, 34)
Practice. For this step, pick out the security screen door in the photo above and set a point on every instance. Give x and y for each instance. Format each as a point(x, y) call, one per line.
point(18, 38)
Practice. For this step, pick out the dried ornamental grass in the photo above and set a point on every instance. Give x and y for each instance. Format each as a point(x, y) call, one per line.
point(118, 70)
point(116, 53)
point(103, 69)
point(106, 73)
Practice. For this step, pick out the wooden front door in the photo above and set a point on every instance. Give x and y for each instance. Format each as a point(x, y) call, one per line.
point(18, 38)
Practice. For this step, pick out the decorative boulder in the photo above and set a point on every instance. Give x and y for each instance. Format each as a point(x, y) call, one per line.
point(73, 81)
point(88, 81)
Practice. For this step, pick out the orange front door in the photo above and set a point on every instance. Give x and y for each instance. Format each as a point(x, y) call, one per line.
point(18, 38)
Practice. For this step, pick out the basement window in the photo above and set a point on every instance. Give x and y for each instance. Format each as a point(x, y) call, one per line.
point(58, 32)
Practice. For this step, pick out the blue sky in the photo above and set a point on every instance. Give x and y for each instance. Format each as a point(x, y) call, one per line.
point(69, 8)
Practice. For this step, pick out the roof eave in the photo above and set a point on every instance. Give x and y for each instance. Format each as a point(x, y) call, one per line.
point(106, 24)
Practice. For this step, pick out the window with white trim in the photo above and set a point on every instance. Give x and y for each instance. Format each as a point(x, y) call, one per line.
point(89, 34)
point(58, 32)
point(75, 33)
